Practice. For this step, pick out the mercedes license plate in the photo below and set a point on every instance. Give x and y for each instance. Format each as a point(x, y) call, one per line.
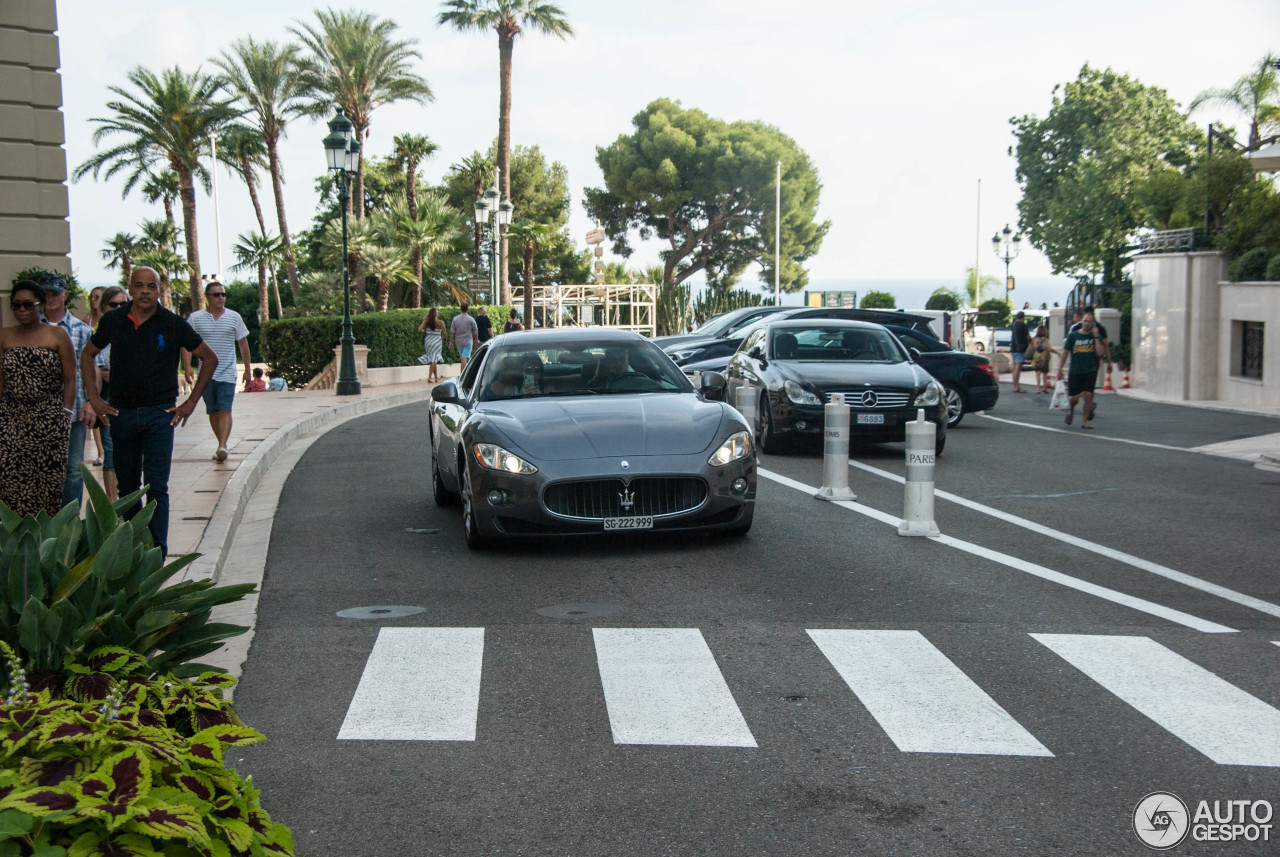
point(637, 522)
point(870, 419)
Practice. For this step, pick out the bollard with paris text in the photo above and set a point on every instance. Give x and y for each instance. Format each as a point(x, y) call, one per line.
point(835, 451)
point(918, 504)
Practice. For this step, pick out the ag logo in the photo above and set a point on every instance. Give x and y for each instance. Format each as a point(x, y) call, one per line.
point(1161, 821)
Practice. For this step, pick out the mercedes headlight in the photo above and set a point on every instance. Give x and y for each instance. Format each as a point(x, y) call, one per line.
point(799, 395)
point(496, 458)
point(684, 355)
point(929, 397)
point(738, 446)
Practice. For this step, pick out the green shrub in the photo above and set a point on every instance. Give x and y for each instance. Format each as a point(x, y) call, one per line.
point(74, 290)
point(119, 762)
point(1273, 268)
point(301, 347)
point(994, 312)
point(878, 300)
point(1251, 267)
point(69, 585)
point(943, 298)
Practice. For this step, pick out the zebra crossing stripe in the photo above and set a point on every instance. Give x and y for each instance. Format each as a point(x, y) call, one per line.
point(1213, 716)
point(419, 684)
point(920, 698)
point(662, 686)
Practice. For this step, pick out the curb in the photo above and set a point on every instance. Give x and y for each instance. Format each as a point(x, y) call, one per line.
point(220, 532)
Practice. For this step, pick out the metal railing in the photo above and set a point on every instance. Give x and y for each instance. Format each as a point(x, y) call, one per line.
point(1174, 241)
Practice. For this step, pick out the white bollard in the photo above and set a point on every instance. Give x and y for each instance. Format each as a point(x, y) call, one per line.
point(918, 504)
point(835, 451)
point(748, 402)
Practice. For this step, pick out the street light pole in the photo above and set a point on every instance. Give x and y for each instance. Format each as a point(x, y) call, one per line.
point(493, 210)
point(1007, 247)
point(342, 153)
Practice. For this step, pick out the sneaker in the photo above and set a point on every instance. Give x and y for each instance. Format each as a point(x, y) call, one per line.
point(221, 454)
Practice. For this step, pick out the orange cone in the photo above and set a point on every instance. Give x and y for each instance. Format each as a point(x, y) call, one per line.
point(1124, 382)
point(1107, 388)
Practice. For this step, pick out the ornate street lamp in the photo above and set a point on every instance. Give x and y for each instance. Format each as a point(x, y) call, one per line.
point(1007, 247)
point(342, 155)
point(493, 209)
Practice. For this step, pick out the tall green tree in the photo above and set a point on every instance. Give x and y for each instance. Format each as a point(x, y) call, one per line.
point(508, 18)
point(475, 172)
point(165, 121)
point(707, 188)
point(268, 78)
point(263, 252)
point(243, 151)
point(410, 150)
point(120, 250)
point(527, 236)
point(165, 189)
point(386, 263)
point(356, 61)
point(1081, 165)
point(1256, 95)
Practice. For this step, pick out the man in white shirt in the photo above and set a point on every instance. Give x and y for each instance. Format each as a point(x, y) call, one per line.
point(223, 330)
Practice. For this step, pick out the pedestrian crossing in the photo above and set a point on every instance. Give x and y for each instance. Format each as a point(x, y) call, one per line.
point(664, 687)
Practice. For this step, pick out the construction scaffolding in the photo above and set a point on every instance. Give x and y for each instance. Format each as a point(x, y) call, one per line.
point(626, 306)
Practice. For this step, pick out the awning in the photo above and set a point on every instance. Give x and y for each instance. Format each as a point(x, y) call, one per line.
point(1266, 159)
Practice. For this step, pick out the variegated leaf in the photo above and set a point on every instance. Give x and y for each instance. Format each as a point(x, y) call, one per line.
point(238, 834)
point(88, 687)
point(41, 801)
point(51, 772)
point(169, 821)
point(230, 735)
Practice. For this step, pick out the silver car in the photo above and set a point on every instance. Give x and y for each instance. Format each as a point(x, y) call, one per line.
point(577, 431)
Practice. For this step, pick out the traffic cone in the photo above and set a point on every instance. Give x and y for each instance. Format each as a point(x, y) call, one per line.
point(1124, 382)
point(1107, 388)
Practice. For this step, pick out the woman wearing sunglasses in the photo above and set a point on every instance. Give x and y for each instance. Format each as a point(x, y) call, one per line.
point(37, 389)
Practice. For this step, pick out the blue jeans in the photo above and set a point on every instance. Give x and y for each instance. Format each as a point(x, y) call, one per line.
point(143, 441)
point(73, 485)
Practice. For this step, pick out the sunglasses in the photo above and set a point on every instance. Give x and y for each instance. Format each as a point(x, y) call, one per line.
point(23, 304)
point(116, 303)
point(217, 294)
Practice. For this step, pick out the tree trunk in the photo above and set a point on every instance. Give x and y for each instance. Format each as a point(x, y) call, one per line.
point(275, 290)
point(415, 293)
point(357, 189)
point(505, 44)
point(479, 227)
point(126, 270)
point(357, 283)
point(264, 302)
point(247, 170)
point(195, 300)
point(384, 294)
point(277, 187)
point(528, 285)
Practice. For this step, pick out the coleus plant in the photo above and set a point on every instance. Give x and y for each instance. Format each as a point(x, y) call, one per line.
point(119, 763)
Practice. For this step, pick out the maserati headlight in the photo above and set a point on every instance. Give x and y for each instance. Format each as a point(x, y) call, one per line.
point(496, 458)
point(685, 355)
point(799, 395)
point(929, 397)
point(738, 446)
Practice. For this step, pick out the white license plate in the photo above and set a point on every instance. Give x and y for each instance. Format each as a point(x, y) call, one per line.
point(870, 419)
point(639, 522)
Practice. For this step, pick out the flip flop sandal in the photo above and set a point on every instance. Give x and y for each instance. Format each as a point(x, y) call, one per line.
point(1086, 426)
point(1070, 416)
point(1093, 409)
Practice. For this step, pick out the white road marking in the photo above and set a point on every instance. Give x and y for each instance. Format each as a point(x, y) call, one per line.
point(1094, 435)
point(1140, 604)
point(1213, 716)
point(922, 700)
point(1109, 553)
point(662, 686)
point(419, 684)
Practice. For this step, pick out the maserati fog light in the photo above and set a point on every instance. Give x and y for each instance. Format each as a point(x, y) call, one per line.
point(802, 425)
point(739, 485)
point(497, 498)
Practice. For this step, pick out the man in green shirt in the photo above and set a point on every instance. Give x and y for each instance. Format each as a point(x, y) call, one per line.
point(1082, 348)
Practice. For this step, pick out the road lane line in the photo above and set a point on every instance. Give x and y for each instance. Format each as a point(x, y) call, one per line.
point(1214, 716)
point(419, 684)
point(1110, 553)
point(922, 700)
point(1140, 604)
point(662, 686)
point(1093, 436)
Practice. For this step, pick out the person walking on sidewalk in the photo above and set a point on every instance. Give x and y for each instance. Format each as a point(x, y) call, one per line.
point(146, 340)
point(463, 329)
point(224, 331)
point(1019, 341)
point(1083, 348)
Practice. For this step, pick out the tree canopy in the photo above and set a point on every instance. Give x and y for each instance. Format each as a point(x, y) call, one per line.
point(706, 188)
point(1080, 166)
point(878, 300)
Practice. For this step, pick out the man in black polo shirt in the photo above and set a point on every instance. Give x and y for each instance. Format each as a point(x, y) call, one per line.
point(146, 340)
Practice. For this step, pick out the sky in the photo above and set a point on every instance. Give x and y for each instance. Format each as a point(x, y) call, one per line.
point(903, 107)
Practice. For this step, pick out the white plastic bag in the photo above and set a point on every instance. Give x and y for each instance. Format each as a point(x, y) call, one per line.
point(1060, 398)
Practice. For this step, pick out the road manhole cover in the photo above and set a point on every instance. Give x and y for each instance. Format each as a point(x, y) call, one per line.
point(379, 612)
point(578, 611)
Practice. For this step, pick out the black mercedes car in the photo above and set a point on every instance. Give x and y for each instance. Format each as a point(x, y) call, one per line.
point(969, 379)
point(795, 365)
point(573, 431)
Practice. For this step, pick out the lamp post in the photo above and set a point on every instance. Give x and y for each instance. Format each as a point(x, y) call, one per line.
point(1007, 247)
point(342, 154)
point(498, 213)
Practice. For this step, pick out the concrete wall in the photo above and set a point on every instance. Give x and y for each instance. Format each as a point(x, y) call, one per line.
point(1249, 302)
point(33, 164)
point(1175, 324)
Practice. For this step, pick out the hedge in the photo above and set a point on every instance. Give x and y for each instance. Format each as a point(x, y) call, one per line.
point(299, 348)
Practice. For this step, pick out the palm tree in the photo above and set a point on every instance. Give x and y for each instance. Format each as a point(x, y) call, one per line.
point(167, 120)
point(1257, 95)
point(508, 18)
point(242, 150)
point(432, 229)
point(528, 236)
point(355, 62)
point(268, 78)
point(386, 263)
point(477, 169)
point(159, 235)
point(119, 250)
point(257, 249)
point(163, 188)
point(409, 151)
point(360, 236)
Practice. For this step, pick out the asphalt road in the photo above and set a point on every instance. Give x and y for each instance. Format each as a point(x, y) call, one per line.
point(822, 686)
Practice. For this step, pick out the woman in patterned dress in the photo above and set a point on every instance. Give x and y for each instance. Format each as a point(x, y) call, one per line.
point(37, 389)
point(432, 330)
